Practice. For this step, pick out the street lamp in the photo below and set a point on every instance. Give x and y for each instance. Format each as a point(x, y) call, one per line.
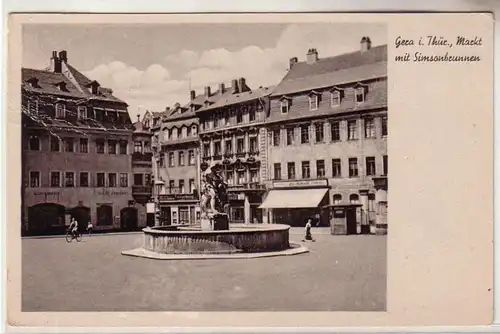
point(157, 188)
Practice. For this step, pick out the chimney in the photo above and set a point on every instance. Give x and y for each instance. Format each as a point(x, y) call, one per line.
point(312, 56)
point(177, 105)
point(63, 56)
point(222, 88)
point(55, 63)
point(207, 91)
point(193, 95)
point(234, 86)
point(293, 61)
point(242, 84)
point(366, 44)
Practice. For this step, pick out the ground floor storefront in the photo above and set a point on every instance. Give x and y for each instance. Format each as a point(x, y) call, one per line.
point(244, 207)
point(51, 211)
point(179, 209)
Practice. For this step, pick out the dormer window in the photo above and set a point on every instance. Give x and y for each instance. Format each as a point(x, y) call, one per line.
point(33, 106)
point(360, 93)
point(313, 100)
point(93, 87)
point(82, 112)
point(62, 86)
point(60, 110)
point(33, 83)
point(336, 98)
point(285, 105)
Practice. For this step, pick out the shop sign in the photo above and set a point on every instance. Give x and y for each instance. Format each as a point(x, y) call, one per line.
point(300, 184)
point(48, 196)
point(113, 193)
point(177, 197)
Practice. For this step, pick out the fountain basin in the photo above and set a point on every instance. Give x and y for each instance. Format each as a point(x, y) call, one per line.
point(185, 239)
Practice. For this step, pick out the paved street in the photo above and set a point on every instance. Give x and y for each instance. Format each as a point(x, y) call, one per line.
point(341, 273)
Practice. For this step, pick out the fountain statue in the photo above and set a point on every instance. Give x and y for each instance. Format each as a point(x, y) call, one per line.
point(214, 203)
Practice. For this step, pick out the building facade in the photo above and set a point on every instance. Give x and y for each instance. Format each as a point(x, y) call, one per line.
point(327, 140)
point(231, 125)
point(76, 155)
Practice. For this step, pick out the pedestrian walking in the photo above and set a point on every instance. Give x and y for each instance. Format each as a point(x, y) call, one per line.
point(89, 228)
point(308, 235)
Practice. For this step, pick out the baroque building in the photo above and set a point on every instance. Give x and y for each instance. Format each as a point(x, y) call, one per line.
point(76, 152)
point(327, 141)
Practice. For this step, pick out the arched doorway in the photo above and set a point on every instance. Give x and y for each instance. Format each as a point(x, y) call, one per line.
point(46, 218)
point(104, 215)
point(128, 219)
point(82, 216)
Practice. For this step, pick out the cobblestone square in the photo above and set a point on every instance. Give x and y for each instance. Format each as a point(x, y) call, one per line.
point(340, 273)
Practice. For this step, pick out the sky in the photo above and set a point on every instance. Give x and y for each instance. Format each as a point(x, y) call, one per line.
point(152, 67)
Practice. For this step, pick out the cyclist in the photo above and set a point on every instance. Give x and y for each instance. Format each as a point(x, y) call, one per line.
point(73, 227)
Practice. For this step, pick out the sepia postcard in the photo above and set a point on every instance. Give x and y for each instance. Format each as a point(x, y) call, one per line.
point(233, 170)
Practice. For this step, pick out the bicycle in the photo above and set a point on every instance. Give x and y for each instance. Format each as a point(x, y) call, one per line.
point(70, 236)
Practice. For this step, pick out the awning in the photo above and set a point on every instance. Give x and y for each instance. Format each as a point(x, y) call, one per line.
point(293, 198)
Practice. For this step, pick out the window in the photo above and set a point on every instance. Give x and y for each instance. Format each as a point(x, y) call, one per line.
point(191, 159)
point(254, 176)
point(306, 170)
point(99, 146)
point(84, 179)
point(217, 148)
point(385, 164)
point(68, 144)
point(171, 159)
point(194, 130)
point(206, 150)
point(370, 166)
point(111, 147)
point(319, 132)
point(138, 179)
point(181, 158)
point(335, 131)
point(369, 128)
point(181, 186)
point(55, 179)
point(252, 115)
point(174, 133)
point(138, 147)
point(34, 143)
point(171, 186)
point(335, 102)
point(123, 146)
point(183, 214)
point(371, 202)
point(84, 145)
point(174, 217)
point(239, 117)
point(360, 95)
point(304, 134)
point(60, 110)
point(352, 130)
point(313, 102)
point(69, 179)
point(147, 147)
point(276, 137)
point(191, 186)
point(55, 145)
point(100, 180)
point(33, 106)
point(34, 179)
point(112, 180)
point(216, 120)
point(384, 126)
point(284, 106)
point(147, 179)
point(337, 198)
point(123, 180)
point(82, 112)
point(291, 170)
point(354, 198)
point(336, 168)
point(229, 147)
point(253, 145)
point(230, 177)
point(161, 160)
point(320, 168)
point(290, 138)
point(241, 177)
point(277, 171)
point(240, 148)
point(353, 167)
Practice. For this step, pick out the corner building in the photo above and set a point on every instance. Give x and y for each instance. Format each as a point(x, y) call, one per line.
point(76, 153)
point(327, 141)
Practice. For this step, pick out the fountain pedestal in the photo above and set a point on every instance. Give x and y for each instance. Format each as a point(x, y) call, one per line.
point(219, 222)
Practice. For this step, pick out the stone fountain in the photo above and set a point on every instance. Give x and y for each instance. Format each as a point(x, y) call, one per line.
point(214, 239)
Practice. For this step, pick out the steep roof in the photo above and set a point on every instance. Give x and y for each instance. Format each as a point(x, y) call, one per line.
point(325, 72)
point(47, 83)
point(230, 99)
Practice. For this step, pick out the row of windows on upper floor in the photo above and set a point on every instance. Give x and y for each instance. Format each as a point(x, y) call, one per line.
point(231, 117)
point(81, 145)
point(318, 129)
point(216, 148)
point(370, 168)
point(181, 158)
point(182, 132)
point(337, 95)
point(180, 188)
point(58, 179)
